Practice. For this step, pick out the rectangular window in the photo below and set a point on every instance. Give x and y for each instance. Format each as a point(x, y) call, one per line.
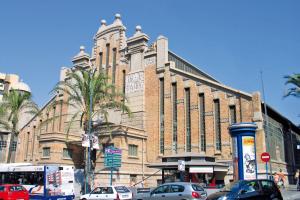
point(133, 150)
point(14, 146)
point(47, 121)
point(217, 124)
point(114, 66)
point(3, 145)
point(60, 114)
point(174, 105)
point(46, 152)
point(161, 111)
point(107, 57)
point(188, 120)
point(232, 111)
point(54, 118)
point(202, 122)
point(100, 61)
point(67, 153)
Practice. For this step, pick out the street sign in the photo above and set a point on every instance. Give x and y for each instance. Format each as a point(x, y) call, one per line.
point(112, 157)
point(265, 157)
point(181, 165)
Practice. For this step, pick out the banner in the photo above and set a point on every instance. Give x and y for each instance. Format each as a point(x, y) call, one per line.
point(249, 161)
point(95, 142)
point(85, 140)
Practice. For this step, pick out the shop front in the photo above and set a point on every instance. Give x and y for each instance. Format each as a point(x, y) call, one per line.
point(197, 169)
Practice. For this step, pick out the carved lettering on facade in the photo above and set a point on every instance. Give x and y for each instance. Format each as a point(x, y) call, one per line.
point(224, 120)
point(194, 107)
point(179, 101)
point(134, 82)
point(209, 113)
point(150, 61)
point(167, 96)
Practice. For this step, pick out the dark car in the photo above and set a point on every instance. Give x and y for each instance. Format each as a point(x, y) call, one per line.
point(251, 189)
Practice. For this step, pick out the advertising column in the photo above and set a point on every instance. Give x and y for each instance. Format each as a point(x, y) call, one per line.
point(244, 151)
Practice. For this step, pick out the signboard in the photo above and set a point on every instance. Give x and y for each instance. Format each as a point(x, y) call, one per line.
point(265, 157)
point(95, 142)
point(202, 169)
point(113, 157)
point(181, 165)
point(249, 161)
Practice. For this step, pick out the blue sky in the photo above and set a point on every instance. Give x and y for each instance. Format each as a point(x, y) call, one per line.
point(230, 40)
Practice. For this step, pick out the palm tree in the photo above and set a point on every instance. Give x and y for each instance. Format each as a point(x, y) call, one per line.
point(88, 86)
point(14, 104)
point(91, 95)
point(294, 80)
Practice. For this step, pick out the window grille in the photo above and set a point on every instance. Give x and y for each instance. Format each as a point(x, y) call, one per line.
point(217, 124)
point(232, 111)
point(174, 121)
point(188, 120)
point(3, 145)
point(202, 122)
point(133, 150)
point(162, 107)
point(46, 152)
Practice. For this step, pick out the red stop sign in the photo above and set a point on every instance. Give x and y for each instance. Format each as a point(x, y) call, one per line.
point(265, 156)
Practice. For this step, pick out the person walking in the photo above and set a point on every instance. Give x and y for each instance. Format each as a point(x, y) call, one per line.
point(281, 179)
point(297, 177)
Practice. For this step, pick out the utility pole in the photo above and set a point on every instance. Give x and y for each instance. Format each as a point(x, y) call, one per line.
point(267, 123)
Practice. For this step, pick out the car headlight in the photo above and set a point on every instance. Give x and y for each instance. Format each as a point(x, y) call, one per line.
point(222, 198)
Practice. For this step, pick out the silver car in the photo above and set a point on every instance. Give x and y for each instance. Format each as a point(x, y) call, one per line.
point(177, 191)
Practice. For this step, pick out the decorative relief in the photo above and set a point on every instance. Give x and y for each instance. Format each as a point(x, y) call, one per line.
point(167, 96)
point(134, 82)
point(194, 107)
point(150, 61)
point(179, 101)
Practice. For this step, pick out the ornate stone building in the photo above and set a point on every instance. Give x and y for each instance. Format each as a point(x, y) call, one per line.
point(178, 111)
point(11, 82)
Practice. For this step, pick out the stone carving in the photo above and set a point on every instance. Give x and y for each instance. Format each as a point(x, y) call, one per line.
point(134, 82)
point(224, 120)
point(150, 61)
point(194, 107)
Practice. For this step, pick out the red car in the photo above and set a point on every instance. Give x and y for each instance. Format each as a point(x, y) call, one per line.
point(13, 192)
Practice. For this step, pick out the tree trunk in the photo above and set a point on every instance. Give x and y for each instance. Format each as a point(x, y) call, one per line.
point(12, 138)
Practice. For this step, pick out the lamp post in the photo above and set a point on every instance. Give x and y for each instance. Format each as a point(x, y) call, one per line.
point(88, 164)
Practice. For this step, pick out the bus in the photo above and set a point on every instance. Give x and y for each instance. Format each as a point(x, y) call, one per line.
point(44, 182)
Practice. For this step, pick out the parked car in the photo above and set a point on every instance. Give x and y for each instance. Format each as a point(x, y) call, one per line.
point(140, 193)
point(250, 189)
point(13, 192)
point(108, 193)
point(176, 191)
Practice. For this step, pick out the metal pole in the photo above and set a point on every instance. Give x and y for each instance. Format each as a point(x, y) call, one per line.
point(90, 136)
point(267, 170)
point(111, 169)
point(267, 122)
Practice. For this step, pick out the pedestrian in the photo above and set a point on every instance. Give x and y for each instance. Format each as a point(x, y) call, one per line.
point(281, 179)
point(297, 177)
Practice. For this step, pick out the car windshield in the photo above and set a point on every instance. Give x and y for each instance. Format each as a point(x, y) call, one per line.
point(234, 186)
point(121, 189)
point(197, 187)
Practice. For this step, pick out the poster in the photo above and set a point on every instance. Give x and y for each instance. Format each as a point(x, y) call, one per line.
point(95, 142)
point(85, 140)
point(249, 162)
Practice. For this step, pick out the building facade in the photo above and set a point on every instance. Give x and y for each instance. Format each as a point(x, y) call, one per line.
point(11, 82)
point(178, 112)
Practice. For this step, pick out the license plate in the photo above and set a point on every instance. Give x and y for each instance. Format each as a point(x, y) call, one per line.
point(124, 196)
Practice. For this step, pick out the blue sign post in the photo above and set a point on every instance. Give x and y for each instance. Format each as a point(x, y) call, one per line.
point(113, 158)
point(244, 151)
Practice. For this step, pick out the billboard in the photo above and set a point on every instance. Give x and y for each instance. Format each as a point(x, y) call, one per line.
point(249, 162)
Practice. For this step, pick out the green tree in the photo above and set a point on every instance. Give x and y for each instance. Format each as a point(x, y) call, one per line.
point(13, 105)
point(295, 89)
point(85, 86)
